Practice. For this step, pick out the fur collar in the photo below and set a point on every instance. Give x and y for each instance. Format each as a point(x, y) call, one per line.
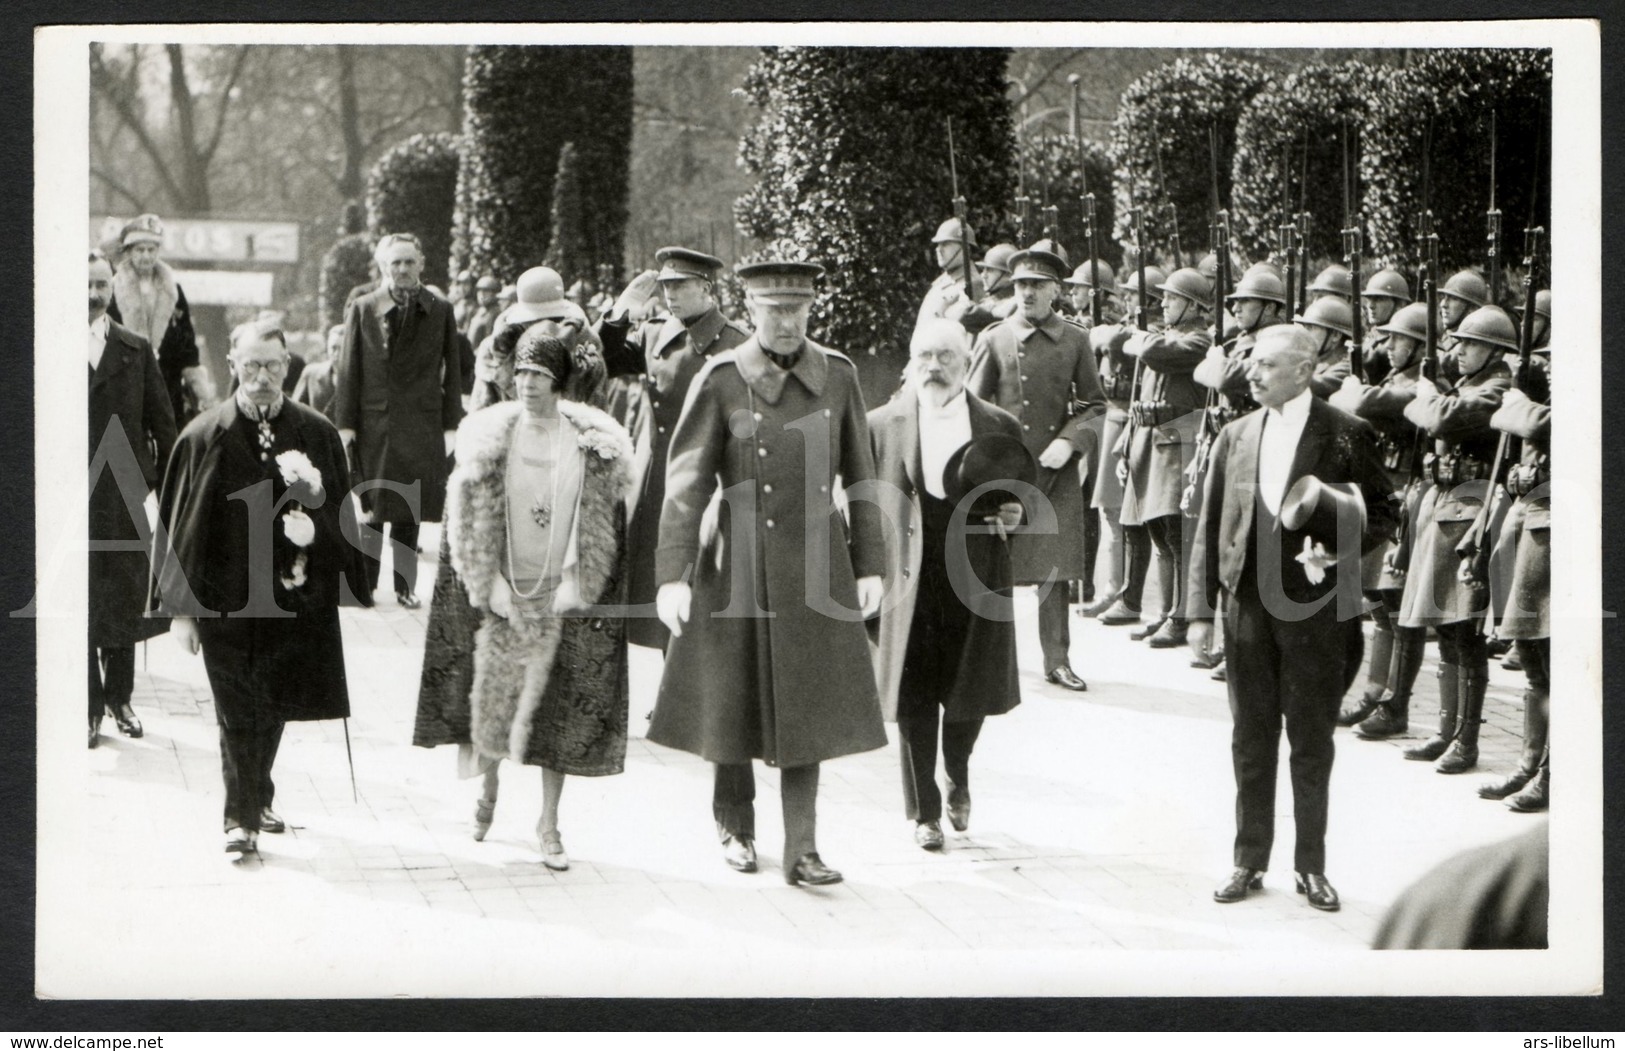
point(482, 440)
point(127, 293)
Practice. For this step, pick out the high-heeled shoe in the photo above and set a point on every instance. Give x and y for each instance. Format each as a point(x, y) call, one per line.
point(484, 811)
point(553, 855)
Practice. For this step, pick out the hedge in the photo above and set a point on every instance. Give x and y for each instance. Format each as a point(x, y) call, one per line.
point(569, 250)
point(413, 189)
point(850, 155)
point(1051, 172)
point(520, 105)
point(1170, 111)
point(344, 266)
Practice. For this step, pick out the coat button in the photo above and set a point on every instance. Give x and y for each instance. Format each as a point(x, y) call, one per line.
point(1024, 379)
point(760, 451)
point(905, 572)
point(1021, 353)
point(823, 488)
point(1026, 426)
point(758, 416)
point(662, 430)
point(910, 530)
point(1024, 401)
point(768, 488)
point(769, 523)
point(826, 414)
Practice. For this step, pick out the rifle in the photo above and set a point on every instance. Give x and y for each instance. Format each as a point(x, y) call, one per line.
point(1288, 232)
point(1475, 546)
point(962, 214)
point(1430, 366)
point(1303, 231)
point(1162, 191)
point(1492, 219)
point(1023, 202)
point(1352, 250)
point(1089, 237)
point(1196, 474)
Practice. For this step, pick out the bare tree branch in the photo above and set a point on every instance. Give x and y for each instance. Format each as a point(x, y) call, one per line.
point(119, 188)
point(102, 79)
point(225, 104)
point(1032, 84)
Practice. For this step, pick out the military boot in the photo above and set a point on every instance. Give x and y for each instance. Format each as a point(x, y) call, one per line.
point(1382, 649)
point(1392, 716)
point(1449, 702)
point(1536, 795)
point(1463, 753)
point(1534, 744)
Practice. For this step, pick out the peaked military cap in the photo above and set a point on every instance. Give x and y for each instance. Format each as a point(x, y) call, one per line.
point(680, 264)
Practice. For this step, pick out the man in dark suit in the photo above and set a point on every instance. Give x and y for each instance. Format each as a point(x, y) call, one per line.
point(398, 399)
point(943, 655)
point(132, 429)
point(1292, 624)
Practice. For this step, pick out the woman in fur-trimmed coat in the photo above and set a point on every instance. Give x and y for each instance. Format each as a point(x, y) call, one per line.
point(536, 520)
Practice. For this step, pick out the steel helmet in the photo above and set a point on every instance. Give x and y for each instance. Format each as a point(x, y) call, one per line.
point(1467, 285)
point(1390, 283)
point(1264, 266)
point(1095, 273)
point(953, 230)
point(1334, 280)
point(1409, 320)
point(1259, 283)
point(998, 258)
point(1329, 313)
point(1490, 325)
point(1191, 284)
point(1209, 267)
point(1543, 305)
point(1153, 277)
point(1054, 248)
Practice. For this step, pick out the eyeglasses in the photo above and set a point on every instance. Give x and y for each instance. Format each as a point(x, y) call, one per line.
point(249, 369)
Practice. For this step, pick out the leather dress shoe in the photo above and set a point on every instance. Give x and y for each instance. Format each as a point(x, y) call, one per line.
point(1512, 663)
point(408, 600)
point(1240, 883)
point(740, 853)
point(1144, 632)
point(1067, 678)
point(1208, 661)
point(810, 869)
point(240, 841)
point(270, 822)
point(1169, 635)
point(1119, 613)
point(95, 730)
point(1319, 890)
point(958, 806)
point(1219, 673)
point(928, 835)
point(124, 717)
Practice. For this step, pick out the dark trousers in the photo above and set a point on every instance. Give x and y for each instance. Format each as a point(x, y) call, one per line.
point(1292, 671)
point(112, 677)
point(922, 799)
point(406, 562)
point(1167, 534)
point(733, 804)
point(1054, 628)
point(249, 738)
point(1091, 544)
point(1137, 545)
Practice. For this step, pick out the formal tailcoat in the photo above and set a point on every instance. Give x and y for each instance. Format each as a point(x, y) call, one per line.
point(1522, 590)
point(1159, 453)
point(985, 682)
point(773, 662)
point(1456, 416)
point(225, 557)
point(1383, 406)
point(131, 424)
point(167, 327)
point(1045, 377)
point(667, 356)
point(399, 386)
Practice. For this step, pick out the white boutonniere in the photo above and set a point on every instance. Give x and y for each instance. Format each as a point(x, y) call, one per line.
point(598, 442)
point(301, 476)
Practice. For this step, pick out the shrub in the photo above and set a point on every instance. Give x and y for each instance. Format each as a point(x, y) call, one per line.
point(346, 265)
point(568, 250)
point(413, 189)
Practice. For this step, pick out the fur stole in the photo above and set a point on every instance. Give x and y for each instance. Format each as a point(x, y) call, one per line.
point(133, 309)
point(512, 659)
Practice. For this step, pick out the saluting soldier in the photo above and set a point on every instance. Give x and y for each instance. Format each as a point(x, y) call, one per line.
point(1384, 293)
point(1330, 323)
point(1456, 414)
point(1160, 438)
point(668, 356)
point(1383, 711)
point(765, 594)
point(1041, 370)
point(949, 295)
point(999, 302)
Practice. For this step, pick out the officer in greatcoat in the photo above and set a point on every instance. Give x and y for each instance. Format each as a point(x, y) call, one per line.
point(764, 583)
point(666, 357)
point(946, 640)
point(1042, 371)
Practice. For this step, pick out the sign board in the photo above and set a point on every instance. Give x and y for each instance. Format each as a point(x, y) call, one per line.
point(232, 288)
point(218, 240)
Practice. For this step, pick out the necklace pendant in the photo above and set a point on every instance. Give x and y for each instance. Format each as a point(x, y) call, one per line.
point(541, 514)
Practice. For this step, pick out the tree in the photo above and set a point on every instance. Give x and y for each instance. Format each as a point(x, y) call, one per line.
point(413, 189)
point(1445, 102)
point(1163, 123)
point(568, 250)
point(850, 155)
point(1051, 168)
point(511, 154)
point(346, 264)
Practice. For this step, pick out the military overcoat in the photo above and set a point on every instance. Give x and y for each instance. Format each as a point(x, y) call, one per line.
point(1159, 453)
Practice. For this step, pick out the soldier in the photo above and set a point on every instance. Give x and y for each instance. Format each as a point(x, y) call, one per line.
point(948, 296)
point(1330, 323)
point(1456, 414)
point(765, 598)
point(1209, 269)
point(481, 320)
point(1084, 281)
point(1540, 359)
point(1383, 711)
point(1041, 370)
point(1334, 282)
point(1000, 300)
point(1464, 293)
point(667, 356)
point(1385, 293)
point(1121, 605)
point(1155, 449)
point(462, 299)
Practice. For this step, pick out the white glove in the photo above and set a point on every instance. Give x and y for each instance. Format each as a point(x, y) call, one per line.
point(672, 603)
point(185, 632)
point(1056, 454)
point(870, 591)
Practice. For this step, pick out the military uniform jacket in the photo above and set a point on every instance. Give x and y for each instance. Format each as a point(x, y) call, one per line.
point(1044, 376)
point(1117, 379)
point(668, 357)
point(755, 477)
point(1224, 369)
point(1330, 372)
point(1383, 406)
point(1521, 567)
point(1160, 443)
point(945, 298)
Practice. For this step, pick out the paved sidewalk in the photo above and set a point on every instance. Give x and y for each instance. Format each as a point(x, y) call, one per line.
point(1102, 822)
